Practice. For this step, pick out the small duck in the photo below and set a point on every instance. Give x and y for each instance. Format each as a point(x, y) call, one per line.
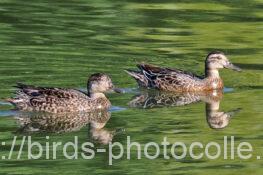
point(175, 80)
point(61, 100)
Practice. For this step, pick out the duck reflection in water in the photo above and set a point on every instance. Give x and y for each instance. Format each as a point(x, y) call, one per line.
point(30, 122)
point(216, 119)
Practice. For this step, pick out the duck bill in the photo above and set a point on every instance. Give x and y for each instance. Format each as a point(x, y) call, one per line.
point(233, 67)
point(117, 90)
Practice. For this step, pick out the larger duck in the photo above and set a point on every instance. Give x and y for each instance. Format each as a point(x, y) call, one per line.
point(61, 100)
point(176, 80)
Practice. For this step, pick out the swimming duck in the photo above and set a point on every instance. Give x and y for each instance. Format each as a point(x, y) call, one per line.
point(60, 100)
point(176, 80)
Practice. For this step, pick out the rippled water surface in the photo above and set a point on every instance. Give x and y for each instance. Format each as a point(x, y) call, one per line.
point(60, 43)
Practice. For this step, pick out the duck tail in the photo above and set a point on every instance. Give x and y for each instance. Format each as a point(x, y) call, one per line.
point(19, 100)
point(18, 103)
point(8, 100)
point(135, 74)
point(138, 76)
point(13, 101)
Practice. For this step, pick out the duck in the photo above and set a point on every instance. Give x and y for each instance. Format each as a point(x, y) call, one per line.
point(176, 80)
point(63, 100)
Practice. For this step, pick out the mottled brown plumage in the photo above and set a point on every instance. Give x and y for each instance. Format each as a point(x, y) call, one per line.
point(62, 100)
point(176, 80)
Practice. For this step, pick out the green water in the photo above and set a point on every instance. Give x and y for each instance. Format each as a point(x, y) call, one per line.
point(60, 43)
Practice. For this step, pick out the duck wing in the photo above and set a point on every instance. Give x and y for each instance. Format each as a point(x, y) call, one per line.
point(167, 78)
point(35, 91)
point(35, 98)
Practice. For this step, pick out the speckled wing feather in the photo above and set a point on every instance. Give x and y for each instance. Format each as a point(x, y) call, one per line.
point(49, 99)
point(34, 91)
point(168, 79)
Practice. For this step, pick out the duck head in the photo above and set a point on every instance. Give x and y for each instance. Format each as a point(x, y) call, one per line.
point(100, 83)
point(217, 60)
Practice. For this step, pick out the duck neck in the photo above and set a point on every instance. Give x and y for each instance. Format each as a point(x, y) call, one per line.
point(213, 73)
point(96, 95)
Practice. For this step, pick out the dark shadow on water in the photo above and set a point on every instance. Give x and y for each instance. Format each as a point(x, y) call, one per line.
point(40, 122)
point(216, 119)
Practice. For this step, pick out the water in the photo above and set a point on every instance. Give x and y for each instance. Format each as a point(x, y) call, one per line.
point(58, 43)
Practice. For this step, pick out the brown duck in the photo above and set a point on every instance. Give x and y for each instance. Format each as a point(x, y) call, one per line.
point(176, 80)
point(61, 100)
